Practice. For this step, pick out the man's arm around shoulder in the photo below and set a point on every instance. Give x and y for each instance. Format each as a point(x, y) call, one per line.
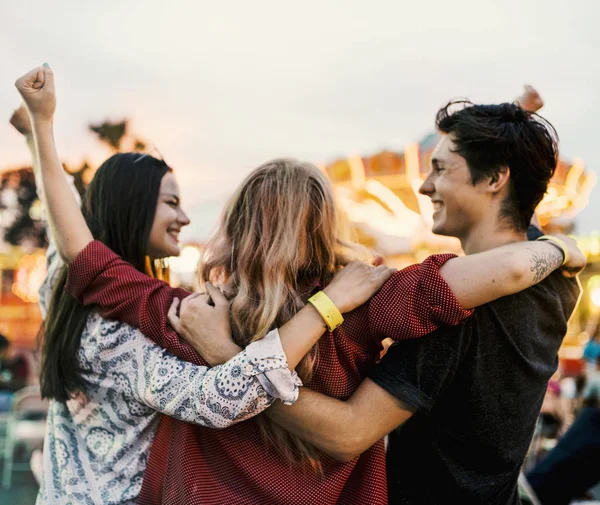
point(410, 377)
point(341, 429)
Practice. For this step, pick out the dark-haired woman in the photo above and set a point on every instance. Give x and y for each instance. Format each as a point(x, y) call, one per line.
point(108, 383)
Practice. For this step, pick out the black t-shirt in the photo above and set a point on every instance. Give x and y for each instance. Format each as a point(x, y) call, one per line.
point(478, 389)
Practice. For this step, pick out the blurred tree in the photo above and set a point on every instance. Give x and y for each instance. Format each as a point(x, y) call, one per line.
point(19, 208)
point(19, 220)
point(81, 177)
point(139, 145)
point(110, 133)
point(115, 134)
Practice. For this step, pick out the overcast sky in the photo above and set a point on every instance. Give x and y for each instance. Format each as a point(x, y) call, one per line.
point(220, 87)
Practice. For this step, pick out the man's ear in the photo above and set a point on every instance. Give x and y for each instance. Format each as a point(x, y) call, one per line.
point(499, 181)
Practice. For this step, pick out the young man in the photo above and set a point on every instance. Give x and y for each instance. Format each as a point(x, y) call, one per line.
point(467, 397)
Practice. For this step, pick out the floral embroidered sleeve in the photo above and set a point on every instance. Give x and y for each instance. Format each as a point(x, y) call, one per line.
point(214, 397)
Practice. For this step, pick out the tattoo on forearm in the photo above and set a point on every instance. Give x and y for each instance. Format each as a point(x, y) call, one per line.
point(543, 263)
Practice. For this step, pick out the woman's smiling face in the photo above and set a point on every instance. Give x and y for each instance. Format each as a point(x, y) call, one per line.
point(168, 220)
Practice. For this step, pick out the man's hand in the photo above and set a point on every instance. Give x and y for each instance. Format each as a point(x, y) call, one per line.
point(205, 327)
point(356, 283)
point(37, 89)
point(20, 120)
point(530, 100)
point(577, 260)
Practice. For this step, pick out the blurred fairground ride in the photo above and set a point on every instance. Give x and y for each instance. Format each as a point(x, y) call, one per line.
point(379, 195)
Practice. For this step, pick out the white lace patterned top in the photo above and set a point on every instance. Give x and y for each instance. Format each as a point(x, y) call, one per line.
point(97, 444)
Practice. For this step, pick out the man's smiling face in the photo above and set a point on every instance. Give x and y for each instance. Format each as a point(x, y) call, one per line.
point(458, 204)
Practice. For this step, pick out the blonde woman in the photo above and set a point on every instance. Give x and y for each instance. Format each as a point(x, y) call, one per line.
point(277, 244)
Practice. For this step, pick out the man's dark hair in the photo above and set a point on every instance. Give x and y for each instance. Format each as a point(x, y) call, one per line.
point(4, 342)
point(492, 137)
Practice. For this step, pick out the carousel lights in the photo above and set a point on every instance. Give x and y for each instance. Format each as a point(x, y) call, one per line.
point(595, 297)
point(393, 219)
point(187, 262)
point(589, 244)
point(29, 276)
point(36, 211)
point(594, 246)
point(593, 288)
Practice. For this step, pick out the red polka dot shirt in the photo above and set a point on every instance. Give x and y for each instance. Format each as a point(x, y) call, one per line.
point(192, 465)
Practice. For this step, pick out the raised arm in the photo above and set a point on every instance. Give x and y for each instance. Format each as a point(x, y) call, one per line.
point(22, 123)
point(20, 120)
point(68, 226)
point(72, 235)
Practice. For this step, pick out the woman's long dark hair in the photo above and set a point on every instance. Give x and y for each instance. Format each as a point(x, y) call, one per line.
point(119, 207)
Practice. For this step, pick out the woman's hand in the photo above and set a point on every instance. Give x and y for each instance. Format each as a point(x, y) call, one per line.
point(20, 120)
point(356, 283)
point(204, 326)
point(38, 92)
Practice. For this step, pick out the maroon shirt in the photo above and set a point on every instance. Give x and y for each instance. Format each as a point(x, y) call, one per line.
point(196, 465)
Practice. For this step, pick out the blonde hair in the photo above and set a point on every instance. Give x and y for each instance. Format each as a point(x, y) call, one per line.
point(277, 240)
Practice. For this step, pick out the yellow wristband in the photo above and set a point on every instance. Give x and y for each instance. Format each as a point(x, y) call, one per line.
point(329, 312)
point(558, 243)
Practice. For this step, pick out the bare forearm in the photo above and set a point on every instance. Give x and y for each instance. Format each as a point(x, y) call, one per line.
point(35, 164)
point(68, 226)
point(480, 278)
point(324, 422)
point(30, 141)
point(343, 429)
point(300, 334)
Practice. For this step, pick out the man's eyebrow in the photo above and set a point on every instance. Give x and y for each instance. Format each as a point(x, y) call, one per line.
point(437, 162)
